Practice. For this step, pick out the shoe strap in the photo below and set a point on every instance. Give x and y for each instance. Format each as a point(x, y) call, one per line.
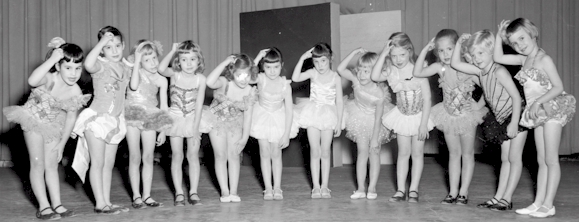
point(40, 212)
point(59, 206)
point(504, 202)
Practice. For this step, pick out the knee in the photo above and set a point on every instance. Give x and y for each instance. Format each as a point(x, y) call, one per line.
point(315, 154)
point(275, 153)
point(264, 153)
point(148, 158)
point(177, 157)
point(37, 164)
point(552, 162)
point(134, 159)
point(220, 156)
point(418, 155)
point(326, 154)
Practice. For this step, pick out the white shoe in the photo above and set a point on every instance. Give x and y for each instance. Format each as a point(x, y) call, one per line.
point(358, 195)
point(235, 198)
point(542, 214)
point(372, 195)
point(527, 210)
point(225, 199)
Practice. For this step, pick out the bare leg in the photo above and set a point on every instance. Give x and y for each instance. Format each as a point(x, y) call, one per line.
point(133, 140)
point(194, 166)
point(35, 144)
point(402, 163)
point(417, 163)
point(51, 175)
point(454, 156)
point(234, 162)
point(326, 147)
point(315, 155)
point(219, 144)
point(149, 139)
point(109, 164)
point(276, 164)
point(362, 164)
point(516, 160)
point(467, 142)
point(177, 164)
point(96, 148)
point(265, 162)
point(552, 142)
point(374, 171)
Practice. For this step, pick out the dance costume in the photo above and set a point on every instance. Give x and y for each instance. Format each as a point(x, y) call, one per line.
point(141, 110)
point(268, 120)
point(182, 110)
point(105, 117)
point(44, 114)
point(359, 113)
point(406, 117)
point(450, 115)
point(226, 115)
point(496, 123)
point(319, 111)
point(535, 84)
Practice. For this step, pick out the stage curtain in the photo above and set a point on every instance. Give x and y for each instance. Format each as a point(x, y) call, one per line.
point(28, 25)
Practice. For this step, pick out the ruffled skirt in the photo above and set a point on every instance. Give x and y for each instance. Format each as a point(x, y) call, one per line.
point(307, 114)
point(147, 118)
point(360, 125)
point(495, 132)
point(456, 124)
point(50, 131)
point(183, 125)
point(220, 126)
point(405, 125)
point(270, 125)
point(559, 110)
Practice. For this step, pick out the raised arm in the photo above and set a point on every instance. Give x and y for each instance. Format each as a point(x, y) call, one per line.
point(135, 77)
point(343, 67)
point(213, 78)
point(298, 75)
point(419, 69)
point(38, 76)
point(164, 64)
point(377, 74)
point(498, 54)
point(90, 62)
point(506, 80)
point(458, 64)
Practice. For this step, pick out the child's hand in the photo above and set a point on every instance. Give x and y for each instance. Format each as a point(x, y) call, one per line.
point(161, 138)
point(430, 45)
point(360, 50)
point(422, 133)
point(57, 55)
point(175, 46)
point(59, 149)
point(534, 110)
point(261, 54)
point(230, 59)
point(503, 25)
point(284, 141)
point(240, 145)
point(374, 145)
point(108, 36)
point(512, 129)
point(139, 53)
point(472, 106)
point(463, 38)
point(337, 130)
point(307, 54)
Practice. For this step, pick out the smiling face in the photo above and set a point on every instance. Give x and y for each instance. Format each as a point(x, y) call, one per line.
point(272, 70)
point(322, 64)
point(444, 49)
point(69, 72)
point(481, 57)
point(150, 62)
point(241, 77)
point(189, 62)
point(522, 42)
point(113, 50)
point(400, 57)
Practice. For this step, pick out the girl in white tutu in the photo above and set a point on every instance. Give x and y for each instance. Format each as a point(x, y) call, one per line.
point(321, 114)
point(457, 116)
point(362, 116)
point(410, 119)
point(272, 119)
point(144, 119)
point(230, 118)
point(47, 119)
point(187, 92)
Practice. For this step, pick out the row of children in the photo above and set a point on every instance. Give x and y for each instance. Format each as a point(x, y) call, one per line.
point(269, 114)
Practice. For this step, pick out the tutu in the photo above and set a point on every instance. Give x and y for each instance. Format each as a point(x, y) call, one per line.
point(308, 113)
point(456, 124)
point(50, 131)
point(222, 126)
point(144, 118)
point(270, 125)
point(183, 125)
point(405, 125)
point(360, 125)
point(226, 115)
point(111, 129)
point(495, 132)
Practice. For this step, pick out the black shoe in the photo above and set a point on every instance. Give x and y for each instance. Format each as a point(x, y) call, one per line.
point(413, 199)
point(461, 200)
point(138, 205)
point(502, 205)
point(398, 198)
point(193, 201)
point(107, 210)
point(448, 200)
point(152, 204)
point(488, 203)
point(179, 203)
point(67, 213)
point(50, 216)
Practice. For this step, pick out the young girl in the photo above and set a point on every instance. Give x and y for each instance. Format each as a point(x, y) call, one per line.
point(362, 119)
point(47, 119)
point(272, 119)
point(457, 115)
point(230, 119)
point(187, 91)
point(548, 107)
point(144, 119)
point(410, 119)
point(505, 101)
point(102, 125)
point(321, 115)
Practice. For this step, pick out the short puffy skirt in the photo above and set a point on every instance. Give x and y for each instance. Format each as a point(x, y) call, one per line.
point(404, 125)
point(221, 126)
point(560, 110)
point(456, 124)
point(360, 125)
point(183, 125)
point(147, 118)
point(495, 132)
point(308, 114)
point(50, 131)
point(270, 125)
point(111, 129)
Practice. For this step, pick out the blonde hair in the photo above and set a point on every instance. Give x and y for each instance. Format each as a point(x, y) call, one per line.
point(484, 39)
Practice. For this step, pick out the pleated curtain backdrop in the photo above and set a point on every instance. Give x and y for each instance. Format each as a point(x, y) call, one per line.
point(28, 25)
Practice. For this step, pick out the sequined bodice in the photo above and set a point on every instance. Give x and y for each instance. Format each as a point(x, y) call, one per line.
point(535, 83)
point(146, 93)
point(110, 85)
point(457, 91)
point(47, 108)
point(227, 109)
point(408, 91)
point(323, 93)
point(366, 99)
point(397, 83)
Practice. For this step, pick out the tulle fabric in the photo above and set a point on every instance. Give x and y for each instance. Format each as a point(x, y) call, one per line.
point(311, 114)
point(456, 124)
point(270, 125)
point(359, 124)
point(50, 131)
point(183, 125)
point(147, 118)
point(405, 125)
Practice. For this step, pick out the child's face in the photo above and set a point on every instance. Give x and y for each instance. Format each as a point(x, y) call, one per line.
point(189, 62)
point(444, 49)
point(322, 64)
point(272, 70)
point(400, 57)
point(150, 62)
point(363, 74)
point(241, 77)
point(69, 72)
point(113, 50)
point(481, 57)
point(522, 42)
